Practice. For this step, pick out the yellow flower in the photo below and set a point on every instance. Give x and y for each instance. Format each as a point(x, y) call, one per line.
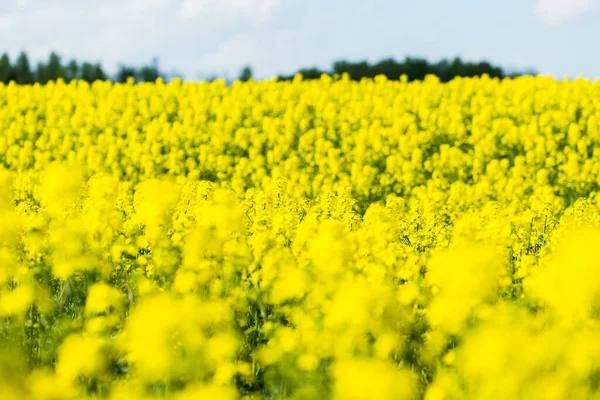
point(101, 298)
point(80, 355)
point(361, 379)
point(17, 301)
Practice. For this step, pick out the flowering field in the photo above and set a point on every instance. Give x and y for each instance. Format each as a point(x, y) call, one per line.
point(303, 240)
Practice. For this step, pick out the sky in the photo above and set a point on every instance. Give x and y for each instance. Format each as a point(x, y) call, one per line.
point(205, 38)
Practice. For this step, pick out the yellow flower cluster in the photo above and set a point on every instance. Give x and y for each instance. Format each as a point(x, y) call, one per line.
point(324, 239)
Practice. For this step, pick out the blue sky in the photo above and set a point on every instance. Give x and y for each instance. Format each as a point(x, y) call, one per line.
point(200, 38)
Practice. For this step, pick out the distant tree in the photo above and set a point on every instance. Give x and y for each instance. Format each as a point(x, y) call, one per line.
point(40, 74)
point(125, 72)
point(91, 72)
point(55, 69)
point(311, 73)
point(99, 73)
point(72, 71)
point(457, 68)
point(6, 70)
point(417, 68)
point(389, 68)
point(50, 71)
point(149, 73)
point(307, 73)
point(23, 72)
point(355, 70)
point(246, 74)
point(87, 72)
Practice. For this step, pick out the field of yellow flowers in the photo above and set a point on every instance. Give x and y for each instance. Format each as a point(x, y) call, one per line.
point(323, 239)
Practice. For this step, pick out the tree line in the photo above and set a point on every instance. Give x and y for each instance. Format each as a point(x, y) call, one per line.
point(413, 68)
point(21, 71)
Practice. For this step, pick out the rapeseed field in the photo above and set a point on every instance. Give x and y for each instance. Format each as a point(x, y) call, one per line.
point(324, 239)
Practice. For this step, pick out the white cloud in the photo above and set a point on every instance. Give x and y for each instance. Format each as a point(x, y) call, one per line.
point(558, 12)
point(147, 5)
point(22, 3)
point(257, 10)
point(259, 51)
point(179, 32)
point(233, 52)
